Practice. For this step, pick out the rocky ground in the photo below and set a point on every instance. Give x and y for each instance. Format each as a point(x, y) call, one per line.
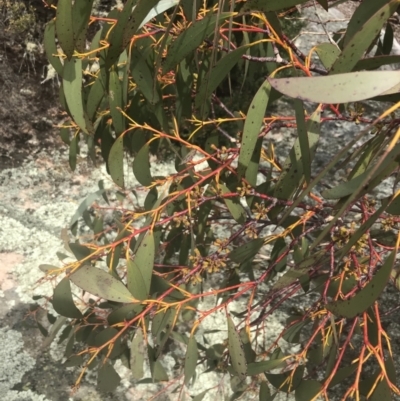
point(38, 196)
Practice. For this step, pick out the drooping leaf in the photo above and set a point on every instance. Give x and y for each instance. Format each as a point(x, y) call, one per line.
point(115, 38)
point(291, 176)
point(108, 335)
point(265, 392)
point(141, 268)
point(246, 251)
point(252, 126)
point(268, 5)
point(233, 204)
point(107, 378)
point(366, 22)
point(158, 372)
point(328, 53)
point(85, 204)
point(308, 390)
point(64, 27)
point(256, 368)
point(371, 177)
point(190, 359)
point(80, 22)
point(63, 302)
point(116, 103)
point(99, 282)
point(339, 88)
point(366, 297)
point(116, 162)
point(288, 381)
point(138, 352)
point(190, 39)
point(305, 148)
point(141, 166)
point(235, 349)
point(218, 73)
point(72, 85)
point(143, 76)
point(80, 251)
point(49, 42)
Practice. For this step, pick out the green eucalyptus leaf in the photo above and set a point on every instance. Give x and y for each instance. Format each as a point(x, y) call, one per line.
point(116, 162)
point(235, 349)
point(140, 270)
point(138, 352)
point(339, 88)
point(49, 43)
point(268, 5)
point(365, 298)
point(63, 302)
point(218, 73)
point(141, 166)
point(64, 27)
point(233, 204)
point(72, 85)
point(116, 103)
point(81, 11)
point(190, 39)
point(287, 382)
point(308, 390)
point(252, 126)
point(246, 251)
point(190, 359)
point(107, 378)
point(328, 53)
point(100, 283)
point(366, 22)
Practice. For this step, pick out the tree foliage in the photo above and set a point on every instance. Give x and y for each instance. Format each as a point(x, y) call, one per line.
point(197, 81)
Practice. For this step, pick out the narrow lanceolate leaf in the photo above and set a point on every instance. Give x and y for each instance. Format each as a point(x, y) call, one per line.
point(136, 285)
point(64, 27)
point(218, 73)
point(303, 140)
point(142, 75)
point(367, 296)
point(246, 251)
point(365, 24)
point(138, 353)
point(328, 53)
point(139, 14)
point(141, 166)
point(81, 11)
point(116, 103)
point(235, 349)
point(190, 39)
point(96, 94)
point(49, 42)
point(143, 264)
point(116, 161)
point(72, 85)
point(102, 284)
point(63, 302)
point(270, 5)
point(373, 176)
point(115, 37)
point(287, 381)
point(252, 126)
point(292, 173)
point(233, 204)
point(107, 378)
point(191, 359)
point(308, 390)
point(341, 88)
